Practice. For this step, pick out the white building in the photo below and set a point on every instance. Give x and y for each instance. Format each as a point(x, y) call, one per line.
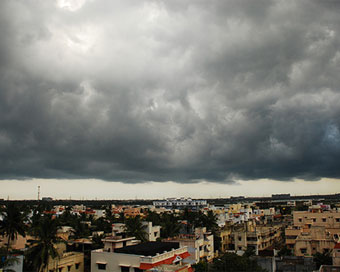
point(182, 202)
point(152, 232)
point(149, 256)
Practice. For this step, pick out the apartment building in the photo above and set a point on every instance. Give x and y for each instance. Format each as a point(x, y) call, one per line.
point(132, 212)
point(152, 232)
point(180, 203)
point(113, 242)
point(66, 262)
point(257, 237)
point(225, 235)
point(149, 256)
point(313, 231)
point(200, 245)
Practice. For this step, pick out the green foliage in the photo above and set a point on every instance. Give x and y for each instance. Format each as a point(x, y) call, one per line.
point(97, 242)
point(169, 225)
point(134, 227)
point(322, 258)
point(12, 223)
point(202, 266)
point(231, 262)
point(153, 217)
point(80, 229)
point(102, 224)
point(285, 251)
point(249, 252)
point(45, 232)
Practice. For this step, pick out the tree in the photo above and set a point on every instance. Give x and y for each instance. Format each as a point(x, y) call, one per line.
point(134, 227)
point(80, 229)
point(250, 251)
point(153, 217)
point(6, 261)
point(231, 262)
point(169, 225)
point(202, 266)
point(12, 224)
point(322, 259)
point(44, 245)
point(285, 251)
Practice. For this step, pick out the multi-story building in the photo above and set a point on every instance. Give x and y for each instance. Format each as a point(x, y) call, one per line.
point(180, 203)
point(313, 231)
point(200, 245)
point(256, 237)
point(132, 212)
point(225, 235)
point(66, 261)
point(152, 232)
point(149, 256)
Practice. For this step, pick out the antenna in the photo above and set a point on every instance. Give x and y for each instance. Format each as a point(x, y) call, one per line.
point(39, 192)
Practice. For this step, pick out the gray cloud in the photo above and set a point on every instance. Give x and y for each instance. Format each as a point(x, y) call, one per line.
point(170, 90)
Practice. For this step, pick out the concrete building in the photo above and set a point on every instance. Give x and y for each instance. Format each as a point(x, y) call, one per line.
point(152, 232)
point(113, 242)
point(313, 231)
point(317, 217)
point(200, 245)
point(149, 256)
point(180, 203)
point(132, 212)
point(118, 228)
point(66, 262)
point(313, 240)
point(257, 237)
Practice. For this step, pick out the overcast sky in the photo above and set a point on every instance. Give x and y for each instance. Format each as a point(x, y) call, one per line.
point(169, 94)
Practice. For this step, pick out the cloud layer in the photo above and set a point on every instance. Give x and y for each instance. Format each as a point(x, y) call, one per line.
point(170, 90)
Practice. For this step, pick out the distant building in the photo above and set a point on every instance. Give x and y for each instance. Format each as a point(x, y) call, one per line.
point(280, 196)
point(180, 203)
point(47, 199)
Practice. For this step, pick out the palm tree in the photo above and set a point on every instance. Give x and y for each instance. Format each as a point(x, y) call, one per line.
point(43, 247)
point(12, 224)
point(134, 227)
point(170, 225)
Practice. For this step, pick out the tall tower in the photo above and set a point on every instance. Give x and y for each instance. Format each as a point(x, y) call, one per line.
point(39, 192)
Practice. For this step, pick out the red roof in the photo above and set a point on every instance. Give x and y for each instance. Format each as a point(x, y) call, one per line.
point(146, 266)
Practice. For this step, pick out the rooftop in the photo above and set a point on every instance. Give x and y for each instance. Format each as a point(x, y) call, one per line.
point(148, 248)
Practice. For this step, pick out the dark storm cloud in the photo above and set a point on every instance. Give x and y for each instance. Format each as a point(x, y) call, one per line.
point(169, 90)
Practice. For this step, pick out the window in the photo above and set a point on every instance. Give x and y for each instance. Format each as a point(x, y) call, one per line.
point(337, 220)
point(300, 219)
point(303, 250)
point(101, 266)
point(69, 268)
point(239, 238)
point(138, 270)
point(314, 219)
point(60, 269)
point(124, 269)
point(239, 248)
point(77, 265)
point(323, 219)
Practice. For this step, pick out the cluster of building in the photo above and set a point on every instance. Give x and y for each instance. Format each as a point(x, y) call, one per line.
point(242, 227)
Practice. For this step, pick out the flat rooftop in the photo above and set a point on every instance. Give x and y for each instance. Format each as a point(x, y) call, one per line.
point(148, 248)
